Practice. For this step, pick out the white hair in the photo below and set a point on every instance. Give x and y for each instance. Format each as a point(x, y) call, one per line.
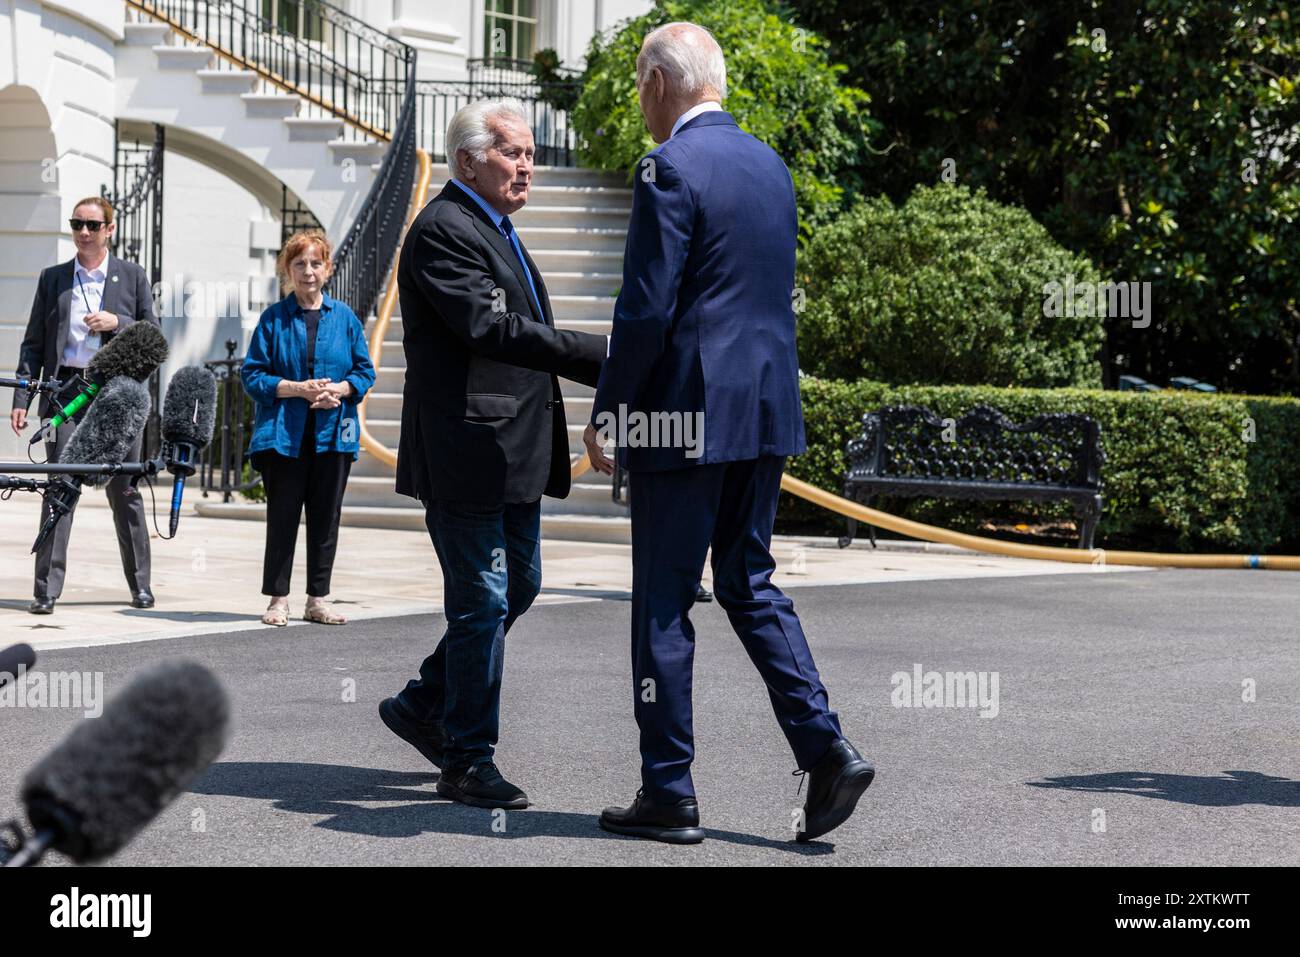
point(471, 129)
point(688, 56)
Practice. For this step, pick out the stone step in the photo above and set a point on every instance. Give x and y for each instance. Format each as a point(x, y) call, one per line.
point(569, 217)
point(587, 497)
point(554, 192)
point(388, 431)
point(358, 151)
point(182, 57)
point(227, 81)
point(271, 106)
point(555, 527)
point(314, 129)
point(570, 176)
point(585, 236)
point(577, 260)
point(146, 34)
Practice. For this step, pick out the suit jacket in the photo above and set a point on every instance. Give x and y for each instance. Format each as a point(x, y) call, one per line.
point(704, 323)
point(126, 294)
point(482, 418)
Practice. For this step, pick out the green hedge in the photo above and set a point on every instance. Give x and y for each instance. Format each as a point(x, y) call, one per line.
point(945, 289)
point(1179, 472)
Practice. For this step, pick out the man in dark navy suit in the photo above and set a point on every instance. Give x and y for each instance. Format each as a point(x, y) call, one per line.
point(702, 385)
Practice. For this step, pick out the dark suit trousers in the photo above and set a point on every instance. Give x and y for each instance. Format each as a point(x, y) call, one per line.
point(128, 517)
point(316, 480)
point(676, 516)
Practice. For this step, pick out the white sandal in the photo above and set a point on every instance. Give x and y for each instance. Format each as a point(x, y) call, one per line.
point(277, 615)
point(320, 613)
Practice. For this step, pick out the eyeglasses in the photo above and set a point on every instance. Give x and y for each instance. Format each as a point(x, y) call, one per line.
point(91, 224)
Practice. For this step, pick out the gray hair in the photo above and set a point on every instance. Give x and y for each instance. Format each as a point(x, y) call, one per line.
point(688, 56)
point(471, 130)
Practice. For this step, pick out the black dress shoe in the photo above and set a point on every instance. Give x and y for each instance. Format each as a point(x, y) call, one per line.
point(834, 785)
point(481, 785)
point(142, 599)
point(702, 594)
point(677, 823)
point(427, 737)
point(41, 606)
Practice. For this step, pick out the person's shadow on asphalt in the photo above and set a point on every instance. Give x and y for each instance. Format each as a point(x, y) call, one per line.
point(329, 790)
point(1237, 788)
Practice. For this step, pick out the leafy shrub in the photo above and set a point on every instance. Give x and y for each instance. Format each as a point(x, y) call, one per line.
point(945, 289)
point(781, 87)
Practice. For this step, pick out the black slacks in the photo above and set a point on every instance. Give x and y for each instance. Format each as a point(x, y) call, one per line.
point(316, 480)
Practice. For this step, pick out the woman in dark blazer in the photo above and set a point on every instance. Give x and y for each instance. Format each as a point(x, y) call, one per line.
point(307, 369)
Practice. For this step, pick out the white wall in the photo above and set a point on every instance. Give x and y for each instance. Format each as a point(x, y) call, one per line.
point(215, 278)
point(56, 144)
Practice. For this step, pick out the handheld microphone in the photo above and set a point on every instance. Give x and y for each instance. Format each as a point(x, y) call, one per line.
point(14, 658)
point(114, 774)
point(105, 436)
point(188, 418)
point(135, 352)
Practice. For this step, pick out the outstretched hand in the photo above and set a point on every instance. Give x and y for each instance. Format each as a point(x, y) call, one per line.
point(601, 462)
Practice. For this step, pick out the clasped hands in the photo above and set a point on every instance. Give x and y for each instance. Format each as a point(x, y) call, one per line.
point(321, 393)
point(101, 322)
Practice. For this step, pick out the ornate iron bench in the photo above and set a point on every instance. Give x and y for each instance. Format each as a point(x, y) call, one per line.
point(908, 450)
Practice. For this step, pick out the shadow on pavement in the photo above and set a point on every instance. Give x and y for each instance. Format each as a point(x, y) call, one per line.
point(1238, 788)
point(329, 790)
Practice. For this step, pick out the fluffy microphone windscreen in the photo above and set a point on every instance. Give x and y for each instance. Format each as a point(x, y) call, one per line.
point(13, 658)
point(111, 425)
point(134, 352)
point(190, 409)
point(114, 774)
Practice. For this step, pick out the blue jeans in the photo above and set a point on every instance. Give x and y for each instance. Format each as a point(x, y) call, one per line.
point(491, 561)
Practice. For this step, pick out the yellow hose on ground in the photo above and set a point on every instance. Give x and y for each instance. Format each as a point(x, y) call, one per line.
point(1078, 556)
point(423, 172)
point(992, 546)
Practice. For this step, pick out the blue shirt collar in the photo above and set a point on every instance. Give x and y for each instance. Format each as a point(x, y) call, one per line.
point(291, 303)
point(483, 204)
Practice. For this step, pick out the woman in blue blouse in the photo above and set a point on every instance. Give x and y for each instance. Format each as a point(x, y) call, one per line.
point(307, 369)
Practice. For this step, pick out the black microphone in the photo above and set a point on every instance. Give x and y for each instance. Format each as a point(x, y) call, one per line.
point(135, 353)
point(114, 774)
point(188, 418)
point(13, 659)
point(105, 436)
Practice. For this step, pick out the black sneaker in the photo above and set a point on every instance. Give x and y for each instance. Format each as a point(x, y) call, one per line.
point(427, 737)
point(481, 785)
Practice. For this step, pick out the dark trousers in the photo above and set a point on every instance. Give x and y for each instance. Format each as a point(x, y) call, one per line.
point(676, 516)
point(128, 518)
point(316, 480)
point(491, 557)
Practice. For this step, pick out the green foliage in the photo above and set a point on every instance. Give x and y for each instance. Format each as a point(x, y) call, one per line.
point(1183, 470)
point(781, 87)
point(1131, 132)
point(556, 86)
point(947, 288)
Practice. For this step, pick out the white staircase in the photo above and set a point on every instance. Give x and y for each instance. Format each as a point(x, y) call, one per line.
point(574, 227)
point(239, 117)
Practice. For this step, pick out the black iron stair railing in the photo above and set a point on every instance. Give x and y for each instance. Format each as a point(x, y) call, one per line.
point(340, 66)
point(370, 247)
